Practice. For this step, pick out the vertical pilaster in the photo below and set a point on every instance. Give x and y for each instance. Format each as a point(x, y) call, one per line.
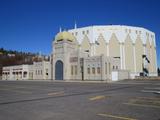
point(107, 44)
point(121, 55)
point(155, 58)
point(124, 57)
point(144, 52)
point(92, 49)
point(134, 57)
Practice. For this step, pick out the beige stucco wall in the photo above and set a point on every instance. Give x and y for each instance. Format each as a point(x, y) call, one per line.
point(139, 52)
point(153, 51)
point(131, 55)
point(85, 45)
point(129, 60)
point(114, 46)
point(101, 48)
point(148, 53)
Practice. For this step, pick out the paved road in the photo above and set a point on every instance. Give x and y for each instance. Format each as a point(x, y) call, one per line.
point(37, 100)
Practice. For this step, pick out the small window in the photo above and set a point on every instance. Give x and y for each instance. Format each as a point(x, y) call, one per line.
point(75, 69)
point(106, 68)
point(136, 32)
point(25, 74)
point(98, 70)
point(88, 70)
point(76, 33)
point(109, 68)
point(71, 69)
point(87, 31)
point(83, 32)
point(93, 70)
point(126, 30)
point(113, 67)
point(116, 67)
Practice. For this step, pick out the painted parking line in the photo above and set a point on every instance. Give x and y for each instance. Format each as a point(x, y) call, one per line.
point(116, 117)
point(97, 97)
point(14, 90)
point(4, 89)
point(142, 105)
point(56, 93)
point(148, 98)
point(150, 91)
point(22, 92)
point(144, 102)
point(152, 88)
point(11, 87)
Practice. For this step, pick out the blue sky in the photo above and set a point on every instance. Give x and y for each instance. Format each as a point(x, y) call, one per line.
point(30, 25)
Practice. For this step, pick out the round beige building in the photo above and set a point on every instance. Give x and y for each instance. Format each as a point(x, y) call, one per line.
point(134, 46)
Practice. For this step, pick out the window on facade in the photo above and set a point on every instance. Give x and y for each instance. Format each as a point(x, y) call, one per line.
point(98, 70)
point(76, 33)
point(75, 69)
point(113, 67)
point(83, 32)
point(25, 74)
point(109, 68)
point(106, 68)
point(136, 31)
point(116, 67)
point(88, 70)
point(87, 31)
point(93, 70)
point(41, 72)
point(71, 69)
point(126, 30)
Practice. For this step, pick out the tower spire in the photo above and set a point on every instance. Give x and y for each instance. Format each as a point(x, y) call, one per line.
point(60, 29)
point(75, 25)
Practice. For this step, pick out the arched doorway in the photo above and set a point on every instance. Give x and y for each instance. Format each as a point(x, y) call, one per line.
point(59, 70)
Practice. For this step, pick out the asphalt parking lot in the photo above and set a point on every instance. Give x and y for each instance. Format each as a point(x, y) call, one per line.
point(38, 100)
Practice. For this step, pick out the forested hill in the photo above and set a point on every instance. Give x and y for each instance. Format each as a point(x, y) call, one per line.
point(10, 57)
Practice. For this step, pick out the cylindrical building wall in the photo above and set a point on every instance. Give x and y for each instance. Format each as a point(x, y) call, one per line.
point(126, 42)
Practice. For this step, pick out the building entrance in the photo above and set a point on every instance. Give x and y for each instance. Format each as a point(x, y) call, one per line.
point(59, 70)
